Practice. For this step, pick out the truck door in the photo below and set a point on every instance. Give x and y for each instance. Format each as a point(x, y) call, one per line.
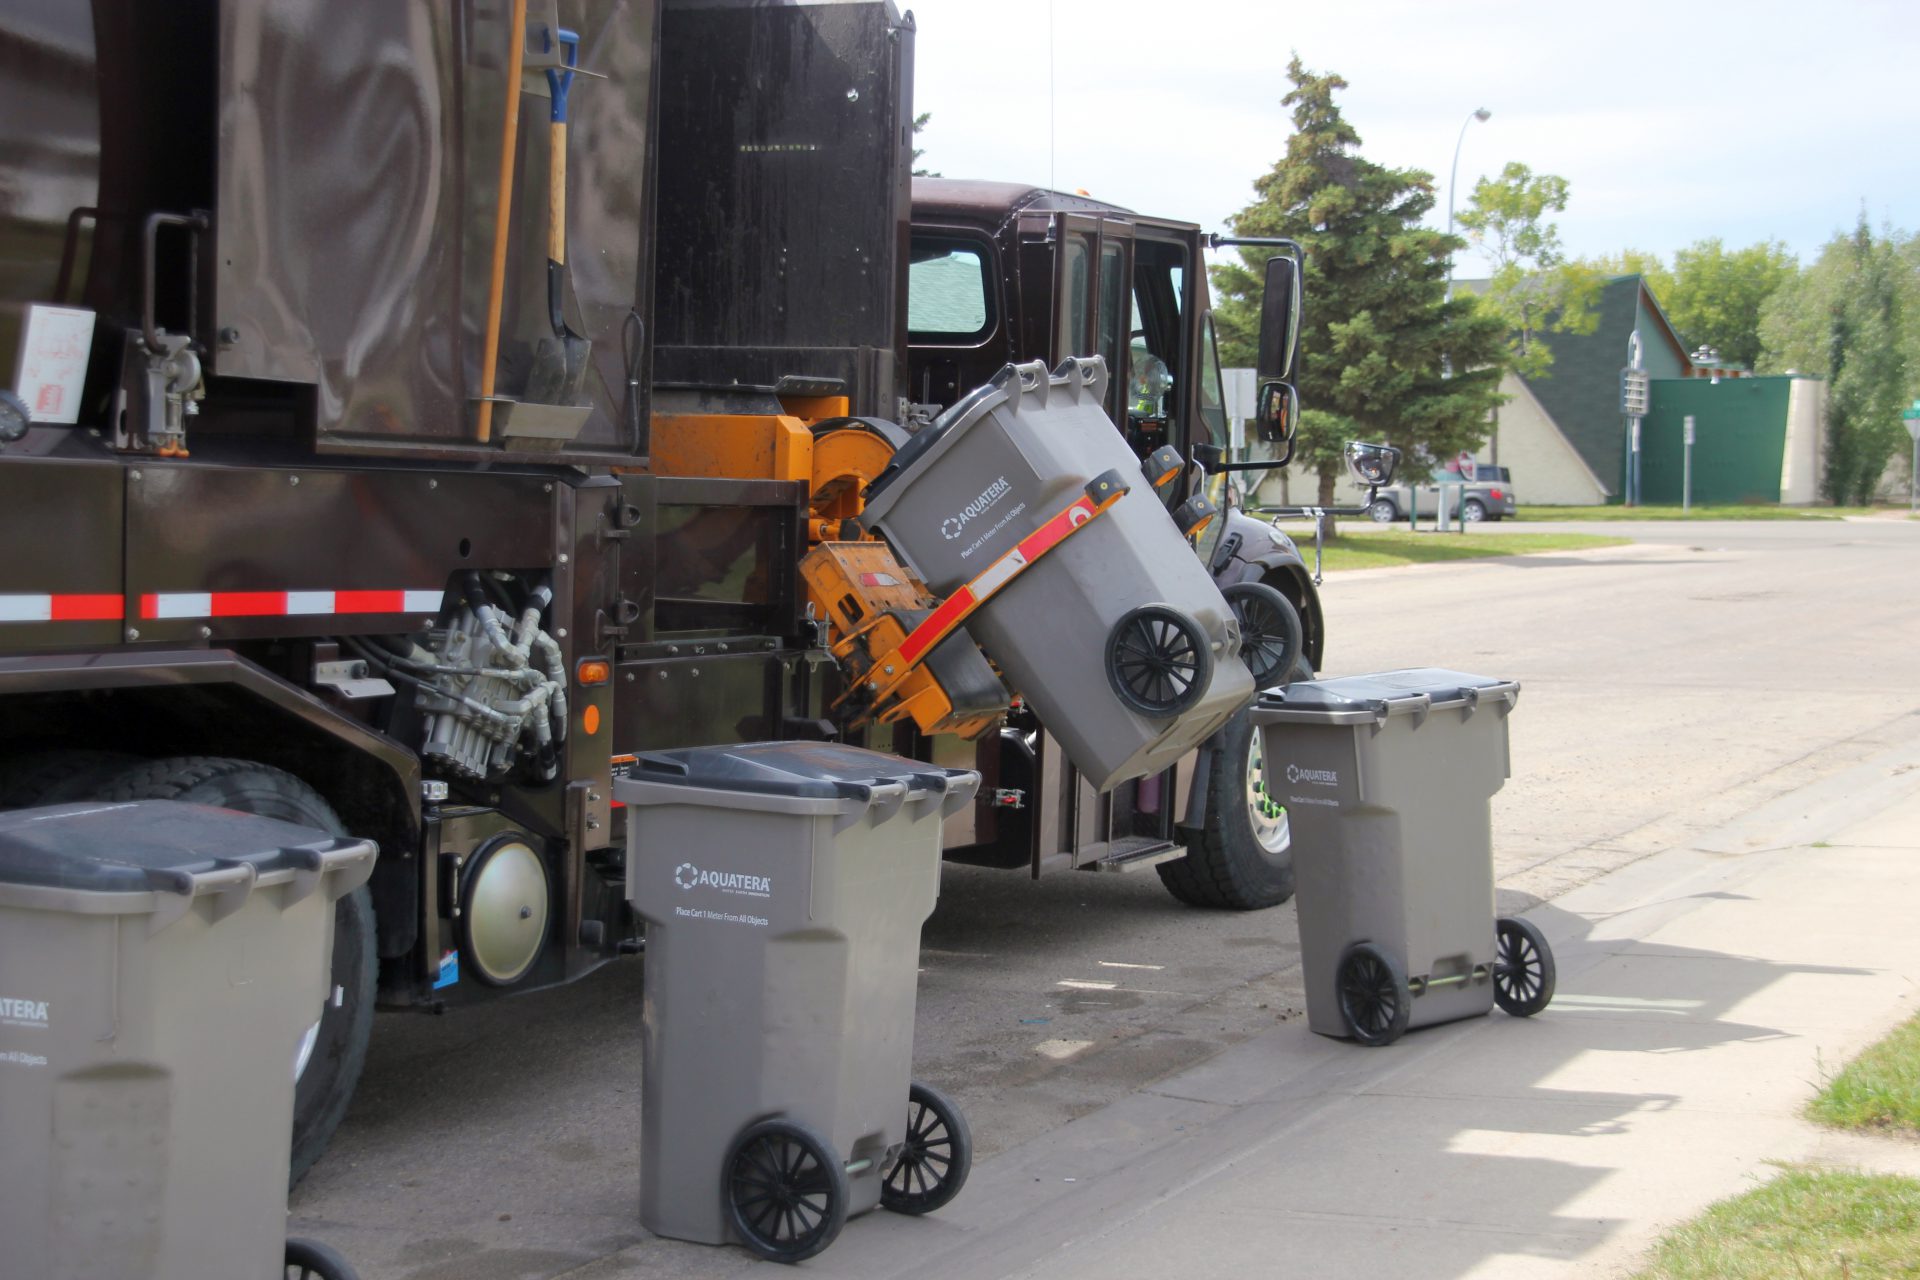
point(1094, 264)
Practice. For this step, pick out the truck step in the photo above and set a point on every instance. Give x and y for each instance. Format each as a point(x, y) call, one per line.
point(1129, 853)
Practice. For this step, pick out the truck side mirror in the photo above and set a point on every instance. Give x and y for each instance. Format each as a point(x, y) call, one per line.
point(1372, 464)
point(1276, 412)
point(1279, 320)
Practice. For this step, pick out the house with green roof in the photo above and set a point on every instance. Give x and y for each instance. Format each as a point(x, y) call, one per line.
point(1565, 440)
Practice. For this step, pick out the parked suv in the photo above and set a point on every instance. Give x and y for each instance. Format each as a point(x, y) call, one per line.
point(1488, 496)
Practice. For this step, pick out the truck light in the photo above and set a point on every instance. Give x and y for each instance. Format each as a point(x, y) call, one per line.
point(590, 720)
point(593, 671)
point(1498, 496)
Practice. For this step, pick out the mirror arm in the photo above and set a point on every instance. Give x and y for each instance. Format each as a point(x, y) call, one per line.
point(1218, 241)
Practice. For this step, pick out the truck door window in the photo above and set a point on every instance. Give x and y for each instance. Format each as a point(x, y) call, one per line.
point(1075, 334)
point(949, 293)
point(1213, 400)
point(1157, 346)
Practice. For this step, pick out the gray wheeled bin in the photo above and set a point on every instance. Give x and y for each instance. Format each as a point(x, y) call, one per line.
point(160, 967)
point(1118, 636)
point(783, 885)
point(1387, 780)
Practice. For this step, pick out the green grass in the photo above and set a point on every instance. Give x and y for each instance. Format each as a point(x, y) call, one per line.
point(1753, 512)
point(1383, 549)
point(1880, 1089)
point(1806, 1224)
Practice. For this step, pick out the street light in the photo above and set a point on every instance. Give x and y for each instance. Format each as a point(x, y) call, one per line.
point(1453, 180)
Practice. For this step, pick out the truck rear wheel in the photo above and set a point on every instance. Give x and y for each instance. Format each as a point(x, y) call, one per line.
point(331, 1065)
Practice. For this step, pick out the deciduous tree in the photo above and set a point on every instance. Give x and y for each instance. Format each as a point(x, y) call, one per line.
point(1534, 289)
point(1845, 319)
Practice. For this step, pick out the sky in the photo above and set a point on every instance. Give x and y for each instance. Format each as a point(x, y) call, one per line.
point(1671, 122)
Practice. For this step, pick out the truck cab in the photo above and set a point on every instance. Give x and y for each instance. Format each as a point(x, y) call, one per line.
point(1002, 272)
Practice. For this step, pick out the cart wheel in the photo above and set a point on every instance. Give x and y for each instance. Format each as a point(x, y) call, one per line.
point(1270, 632)
point(784, 1190)
point(1374, 1000)
point(937, 1158)
point(1523, 973)
point(311, 1260)
point(1158, 660)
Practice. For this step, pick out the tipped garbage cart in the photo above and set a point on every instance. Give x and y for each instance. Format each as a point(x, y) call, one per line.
point(1387, 780)
point(783, 885)
point(1127, 687)
point(164, 967)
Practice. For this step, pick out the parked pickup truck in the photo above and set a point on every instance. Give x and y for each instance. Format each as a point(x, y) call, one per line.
point(1488, 496)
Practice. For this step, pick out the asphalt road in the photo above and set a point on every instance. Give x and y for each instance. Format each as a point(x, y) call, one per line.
point(1668, 687)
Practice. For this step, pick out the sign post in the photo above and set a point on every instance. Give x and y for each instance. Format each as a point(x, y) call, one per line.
point(1635, 389)
point(1686, 468)
point(1911, 419)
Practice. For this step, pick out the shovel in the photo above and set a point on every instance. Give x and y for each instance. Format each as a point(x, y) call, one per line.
point(560, 362)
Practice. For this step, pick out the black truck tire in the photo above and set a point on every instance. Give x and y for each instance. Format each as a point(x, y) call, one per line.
point(1231, 863)
point(346, 1023)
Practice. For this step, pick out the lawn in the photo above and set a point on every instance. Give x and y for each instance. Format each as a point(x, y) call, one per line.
point(1754, 512)
point(1880, 1089)
point(1806, 1224)
point(1385, 548)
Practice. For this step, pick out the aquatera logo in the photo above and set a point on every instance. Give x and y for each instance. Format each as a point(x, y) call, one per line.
point(22, 1013)
point(954, 525)
point(1319, 777)
point(688, 876)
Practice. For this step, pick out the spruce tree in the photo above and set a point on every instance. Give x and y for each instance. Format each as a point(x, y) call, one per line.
point(1378, 333)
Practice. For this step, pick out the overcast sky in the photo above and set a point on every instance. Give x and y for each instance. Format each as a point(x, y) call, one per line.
point(1673, 122)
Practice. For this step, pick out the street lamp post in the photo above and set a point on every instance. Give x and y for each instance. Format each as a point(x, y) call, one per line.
point(1453, 180)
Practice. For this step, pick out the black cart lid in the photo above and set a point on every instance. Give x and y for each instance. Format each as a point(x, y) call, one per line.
point(146, 845)
point(803, 770)
point(1380, 694)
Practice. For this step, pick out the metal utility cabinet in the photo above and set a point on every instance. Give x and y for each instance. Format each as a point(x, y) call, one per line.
point(783, 885)
point(1387, 780)
point(164, 965)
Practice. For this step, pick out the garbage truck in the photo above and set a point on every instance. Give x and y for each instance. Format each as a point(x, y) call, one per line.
point(416, 411)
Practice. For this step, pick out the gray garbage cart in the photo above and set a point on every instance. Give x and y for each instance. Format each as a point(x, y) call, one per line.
point(161, 967)
point(783, 886)
point(1118, 635)
point(1387, 780)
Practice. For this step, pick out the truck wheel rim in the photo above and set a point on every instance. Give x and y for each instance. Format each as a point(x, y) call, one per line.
point(1267, 814)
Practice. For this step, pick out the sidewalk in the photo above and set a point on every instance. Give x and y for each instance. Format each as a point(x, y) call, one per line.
point(1702, 993)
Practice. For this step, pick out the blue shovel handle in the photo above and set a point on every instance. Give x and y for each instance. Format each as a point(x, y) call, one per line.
point(560, 79)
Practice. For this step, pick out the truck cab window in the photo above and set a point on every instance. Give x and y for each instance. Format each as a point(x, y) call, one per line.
point(1157, 348)
point(1213, 400)
point(949, 293)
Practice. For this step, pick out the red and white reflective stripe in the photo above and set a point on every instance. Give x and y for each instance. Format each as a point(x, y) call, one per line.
point(62, 608)
point(284, 604)
point(995, 576)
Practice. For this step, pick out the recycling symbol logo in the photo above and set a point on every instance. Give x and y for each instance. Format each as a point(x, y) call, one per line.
point(686, 875)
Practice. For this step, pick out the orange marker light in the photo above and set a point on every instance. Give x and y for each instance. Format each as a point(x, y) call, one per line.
point(590, 721)
point(593, 671)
